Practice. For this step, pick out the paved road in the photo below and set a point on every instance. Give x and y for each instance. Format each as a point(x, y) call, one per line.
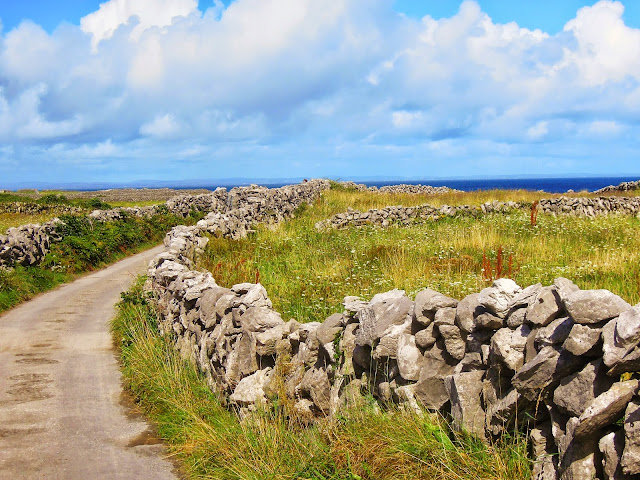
point(63, 414)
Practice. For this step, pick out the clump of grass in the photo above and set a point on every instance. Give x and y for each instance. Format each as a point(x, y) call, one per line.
point(362, 444)
point(308, 272)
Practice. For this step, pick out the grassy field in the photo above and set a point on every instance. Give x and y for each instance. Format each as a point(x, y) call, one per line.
point(307, 272)
point(213, 443)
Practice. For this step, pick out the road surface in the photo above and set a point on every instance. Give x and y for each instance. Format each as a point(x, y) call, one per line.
point(63, 413)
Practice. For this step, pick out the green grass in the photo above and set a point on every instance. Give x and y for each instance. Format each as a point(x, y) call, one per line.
point(212, 442)
point(307, 273)
point(85, 247)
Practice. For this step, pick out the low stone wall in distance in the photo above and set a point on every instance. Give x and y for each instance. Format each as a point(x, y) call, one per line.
point(560, 359)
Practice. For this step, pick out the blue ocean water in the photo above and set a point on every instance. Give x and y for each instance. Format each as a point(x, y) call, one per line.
point(550, 185)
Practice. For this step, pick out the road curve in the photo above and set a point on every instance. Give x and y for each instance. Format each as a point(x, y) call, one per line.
point(62, 412)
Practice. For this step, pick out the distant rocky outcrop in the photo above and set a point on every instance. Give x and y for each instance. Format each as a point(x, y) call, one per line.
point(400, 188)
point(622, 187)
point(558, 359)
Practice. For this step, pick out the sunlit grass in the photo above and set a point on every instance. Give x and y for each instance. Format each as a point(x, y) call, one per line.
point(8, 220)
point(307, 272)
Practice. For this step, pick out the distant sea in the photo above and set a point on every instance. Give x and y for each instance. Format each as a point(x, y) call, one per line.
point(550, 185)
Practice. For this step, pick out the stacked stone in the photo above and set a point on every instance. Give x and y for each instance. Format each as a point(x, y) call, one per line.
point(27, 244)
point(590, 207)
point(417, 189)
point(622, 187)
point(559, 359)
point(206, 202)
point(36, 208)
point(403, 216)
point(122, 212)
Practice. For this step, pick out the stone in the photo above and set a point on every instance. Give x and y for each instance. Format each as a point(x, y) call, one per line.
point(525, 298)
point(256, 296)
point(594, 306)
point(353, 304)
point(496, 299)
point(564, 287)
point(466, 311)
point(453, 341)
point(259, 319)
point(611, 447)
point(516, 317)
point(316, 383)
point(606, 408)
point(578, 390)
point(545, 308)
point(489, 321)
point(472, 361)
point(579, 458)
point(582, 339)
point(430, 390)
point(250, 390)
point(555, 332)
point(375, 319)
point(426, 338)
point(409, 358)
point(266, 341)
point(545, 460)
point(508, 346)
point(502, 414)
point(621, 336)
point(464, 391)
point(631, 455)
point(545, 371)
point(330, 328)
point(428, 302)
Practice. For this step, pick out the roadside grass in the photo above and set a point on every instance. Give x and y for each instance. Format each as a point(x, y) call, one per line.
point(212, 442)
point(307, 273)
point(85, 247)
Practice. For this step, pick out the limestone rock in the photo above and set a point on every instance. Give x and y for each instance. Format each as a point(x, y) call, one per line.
point(466, 311)
point(582, 339)
point(376, 318)
point(516, 317)
point(508, 346)
point(620, 338)
point(464, 391)
point(606, 408)
point(409, 358)
point(545, 308)
point(578, 390)
point(631, 455)
point(611, 446)
point(426, 338)
point(250, 390)
point(430, 389)
point(488, 321)
point(428, 302)
point(316, 383)
point(496, 299)
point(453, 341)
point(594, 306)
point(259, 319)
point(555, 332)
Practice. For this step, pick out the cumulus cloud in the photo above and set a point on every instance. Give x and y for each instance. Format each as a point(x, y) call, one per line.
point(269, 78)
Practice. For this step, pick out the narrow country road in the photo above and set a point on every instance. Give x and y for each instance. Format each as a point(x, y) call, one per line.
point(63, 414)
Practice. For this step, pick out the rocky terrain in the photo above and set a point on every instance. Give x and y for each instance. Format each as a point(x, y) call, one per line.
point(622, 187)
point(560, 359)
point(398, 215)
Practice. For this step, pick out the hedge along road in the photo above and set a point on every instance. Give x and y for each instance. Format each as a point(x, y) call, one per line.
point(63, 413)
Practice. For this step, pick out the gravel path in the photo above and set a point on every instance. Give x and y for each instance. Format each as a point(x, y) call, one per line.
point(63, 413)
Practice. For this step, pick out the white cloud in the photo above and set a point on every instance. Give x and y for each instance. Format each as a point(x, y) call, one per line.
point(162, 76)
point(112, 14)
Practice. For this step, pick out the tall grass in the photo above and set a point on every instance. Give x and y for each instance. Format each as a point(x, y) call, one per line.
point(212, 442)
point(307, 272)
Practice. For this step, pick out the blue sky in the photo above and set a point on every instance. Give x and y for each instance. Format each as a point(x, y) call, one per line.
point(126, 90)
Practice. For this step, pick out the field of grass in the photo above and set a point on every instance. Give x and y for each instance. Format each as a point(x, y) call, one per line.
point(213, 443)
point(307, 272)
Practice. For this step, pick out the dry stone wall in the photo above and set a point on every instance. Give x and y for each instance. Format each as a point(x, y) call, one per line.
point(559, 359)
point(27, 244)
point(622, 187)
point(398, 215)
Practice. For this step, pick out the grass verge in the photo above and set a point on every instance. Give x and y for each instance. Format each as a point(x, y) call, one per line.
point(213, 443)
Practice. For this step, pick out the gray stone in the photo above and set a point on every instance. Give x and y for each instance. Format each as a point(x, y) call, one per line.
point(466, 312)
point(578, 390)
point(579, 458)
point(606, 408)
point(256, 296)
point(496, 299)
point(582, 339)
point(516, 317)
point(266, 341)
point(316, 383)
point(631, 455)
point(330, 328)
point(526, 297)
point(445, 316)
point(621, 336)
point(554, 333)
point(564, 287)
point(250, 390)
point(489, 321)
point(259, 319)
point(545, 459)
point(409, 358)
point(430, 389)
point(453, 341)
point(545, 371)
point(428, 302)
point(545, 308)
point(502, 414)
point(472, 361)
point(375, 319)
point(426, 338)
point(508, 346)
point(594, 306)
point(464, 391)
point(611, 446)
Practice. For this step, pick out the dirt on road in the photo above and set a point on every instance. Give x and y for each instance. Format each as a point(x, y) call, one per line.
point(63, 413)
